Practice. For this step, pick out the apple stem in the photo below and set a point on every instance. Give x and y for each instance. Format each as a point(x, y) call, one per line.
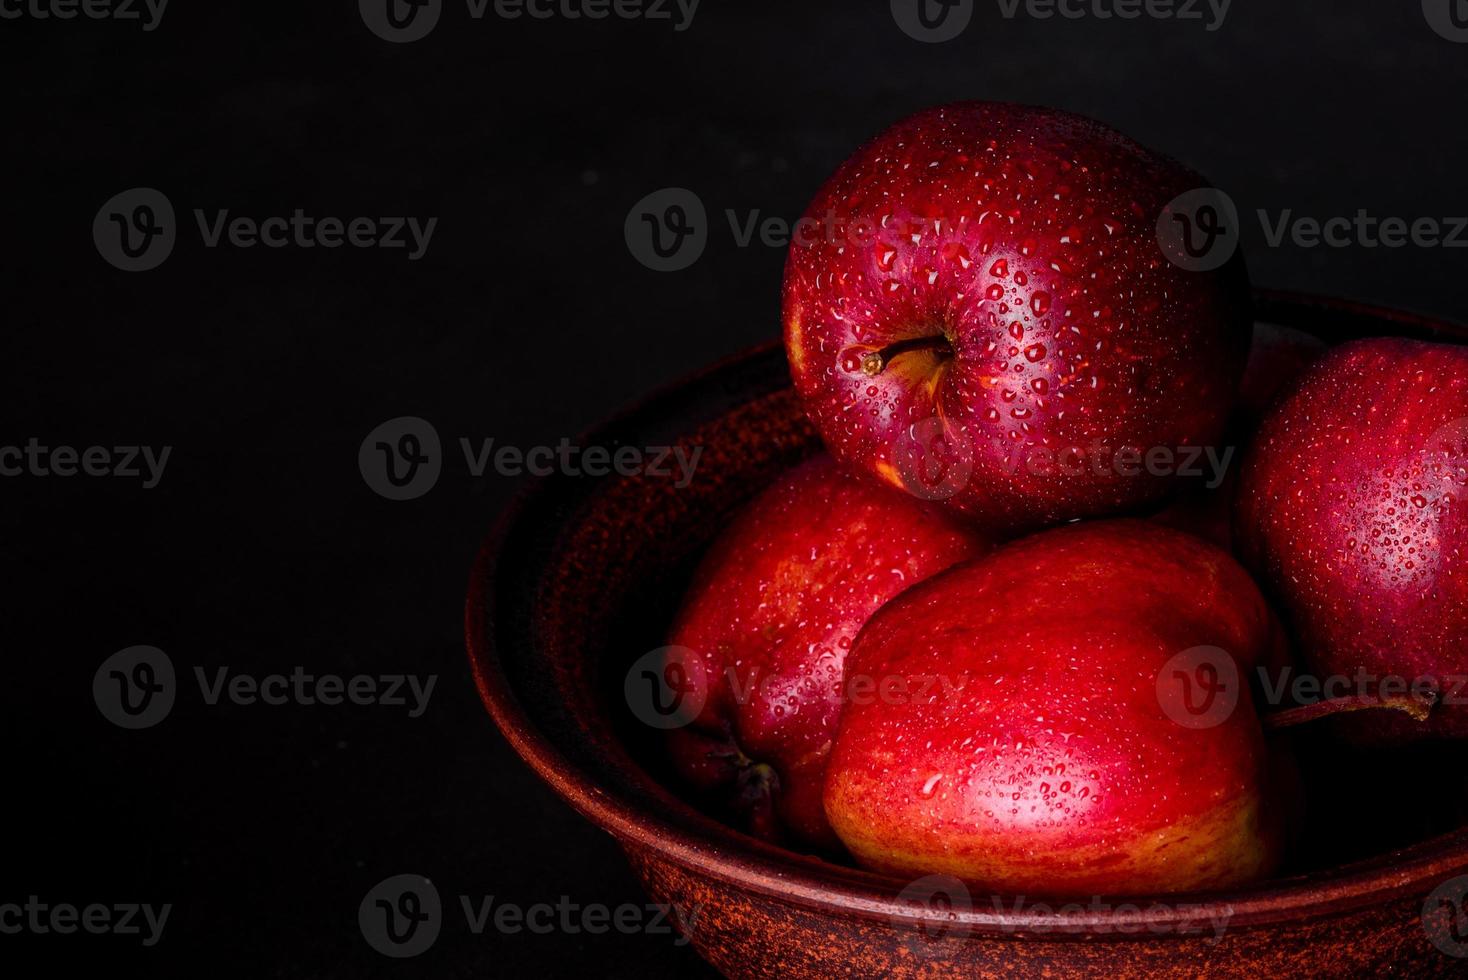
point(1419, 706)
point(875, 362)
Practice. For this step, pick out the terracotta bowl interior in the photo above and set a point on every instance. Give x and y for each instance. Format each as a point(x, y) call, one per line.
point(581, 577)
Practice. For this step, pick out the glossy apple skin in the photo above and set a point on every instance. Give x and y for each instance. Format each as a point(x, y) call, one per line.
point(1026, 238)
point(1049, 766)
point(772, 612)
point(1351, 508)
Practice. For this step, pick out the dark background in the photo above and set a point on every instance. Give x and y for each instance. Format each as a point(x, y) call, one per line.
point(528, 320)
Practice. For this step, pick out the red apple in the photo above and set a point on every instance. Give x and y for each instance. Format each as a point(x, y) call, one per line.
point(1352, 509)
point(1050, 755)
point(977, 309)
point(770, 615)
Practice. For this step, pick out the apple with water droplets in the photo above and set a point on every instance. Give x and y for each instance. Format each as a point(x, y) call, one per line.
point(977, 309)
point(1353, 509)
point(1053, 756)
point(764, 631)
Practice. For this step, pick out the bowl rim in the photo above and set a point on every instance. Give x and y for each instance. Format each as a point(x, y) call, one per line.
point(702, 845)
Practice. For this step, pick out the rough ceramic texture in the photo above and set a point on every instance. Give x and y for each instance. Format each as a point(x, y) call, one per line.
point(746, 934)
point(564, 598)
point(762, 638)
point(1352, 509)
point(1021, 244)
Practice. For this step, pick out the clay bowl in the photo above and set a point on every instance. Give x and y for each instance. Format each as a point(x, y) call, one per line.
point(580, 579)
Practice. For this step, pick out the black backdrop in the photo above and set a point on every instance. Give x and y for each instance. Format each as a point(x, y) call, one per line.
point(526, 320)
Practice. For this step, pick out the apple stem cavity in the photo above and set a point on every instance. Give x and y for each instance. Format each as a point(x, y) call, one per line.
point(875, 362)
point(1418, 705)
